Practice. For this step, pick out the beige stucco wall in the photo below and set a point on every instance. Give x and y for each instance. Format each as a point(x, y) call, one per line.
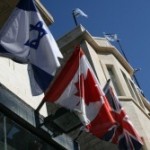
point(94, 61)
point(101, 53)
point(15, 77)
point(139, 120)
point(135, 109)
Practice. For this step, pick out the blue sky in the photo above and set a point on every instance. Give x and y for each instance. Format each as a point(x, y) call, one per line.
point(129, 19)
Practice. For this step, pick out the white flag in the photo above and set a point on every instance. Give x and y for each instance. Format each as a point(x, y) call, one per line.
point(111, 37)
point(78, 12)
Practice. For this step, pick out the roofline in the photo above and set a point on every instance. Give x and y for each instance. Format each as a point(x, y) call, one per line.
point(80, 33)
point(47, 16)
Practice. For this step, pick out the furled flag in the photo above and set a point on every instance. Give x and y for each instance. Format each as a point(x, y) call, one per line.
point(123, 134)
point(76, 88)
point(26, 39)
point(111, 37)
point(78, 12)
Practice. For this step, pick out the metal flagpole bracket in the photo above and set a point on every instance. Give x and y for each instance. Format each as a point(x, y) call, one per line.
point(63, 121)
point(40, 106)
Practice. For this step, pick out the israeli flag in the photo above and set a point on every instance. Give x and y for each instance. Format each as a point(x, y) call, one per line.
point(25, 38)
point(78, 12)
point(111, 37)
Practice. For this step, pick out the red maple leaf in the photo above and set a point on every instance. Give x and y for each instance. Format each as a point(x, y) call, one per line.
point(87, 88)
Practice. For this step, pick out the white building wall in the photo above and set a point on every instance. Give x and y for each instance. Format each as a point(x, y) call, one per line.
point(14, 76)
point(95, 62)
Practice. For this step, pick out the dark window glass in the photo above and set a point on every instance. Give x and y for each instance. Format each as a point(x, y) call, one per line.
point(20, 139)
point(129, 86)
point(114, 80)
point(15, 137)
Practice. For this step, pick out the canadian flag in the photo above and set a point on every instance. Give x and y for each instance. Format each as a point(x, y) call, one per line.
point(76, 88)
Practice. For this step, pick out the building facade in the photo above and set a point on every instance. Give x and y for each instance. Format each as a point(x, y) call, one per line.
point(109, 63)
point(21, 126)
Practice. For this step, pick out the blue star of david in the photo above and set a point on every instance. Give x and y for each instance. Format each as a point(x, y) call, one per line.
point(41, 32)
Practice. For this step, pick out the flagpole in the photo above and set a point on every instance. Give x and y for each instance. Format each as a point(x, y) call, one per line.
point(134, 77)
point(123, 53)
point(40, 106)
point(74, 18)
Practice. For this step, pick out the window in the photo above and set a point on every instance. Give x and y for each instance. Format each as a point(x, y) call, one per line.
point(129, 85)
point(15, 137)
point(114, 80)
point(25, 120)
point(135, 91)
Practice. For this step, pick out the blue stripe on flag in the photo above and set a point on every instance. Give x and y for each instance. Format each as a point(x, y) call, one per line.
point(5, 53)
point(39, 79)
point(109, 135)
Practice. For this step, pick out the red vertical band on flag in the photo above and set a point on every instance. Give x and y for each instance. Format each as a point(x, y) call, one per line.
point(65, 76)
